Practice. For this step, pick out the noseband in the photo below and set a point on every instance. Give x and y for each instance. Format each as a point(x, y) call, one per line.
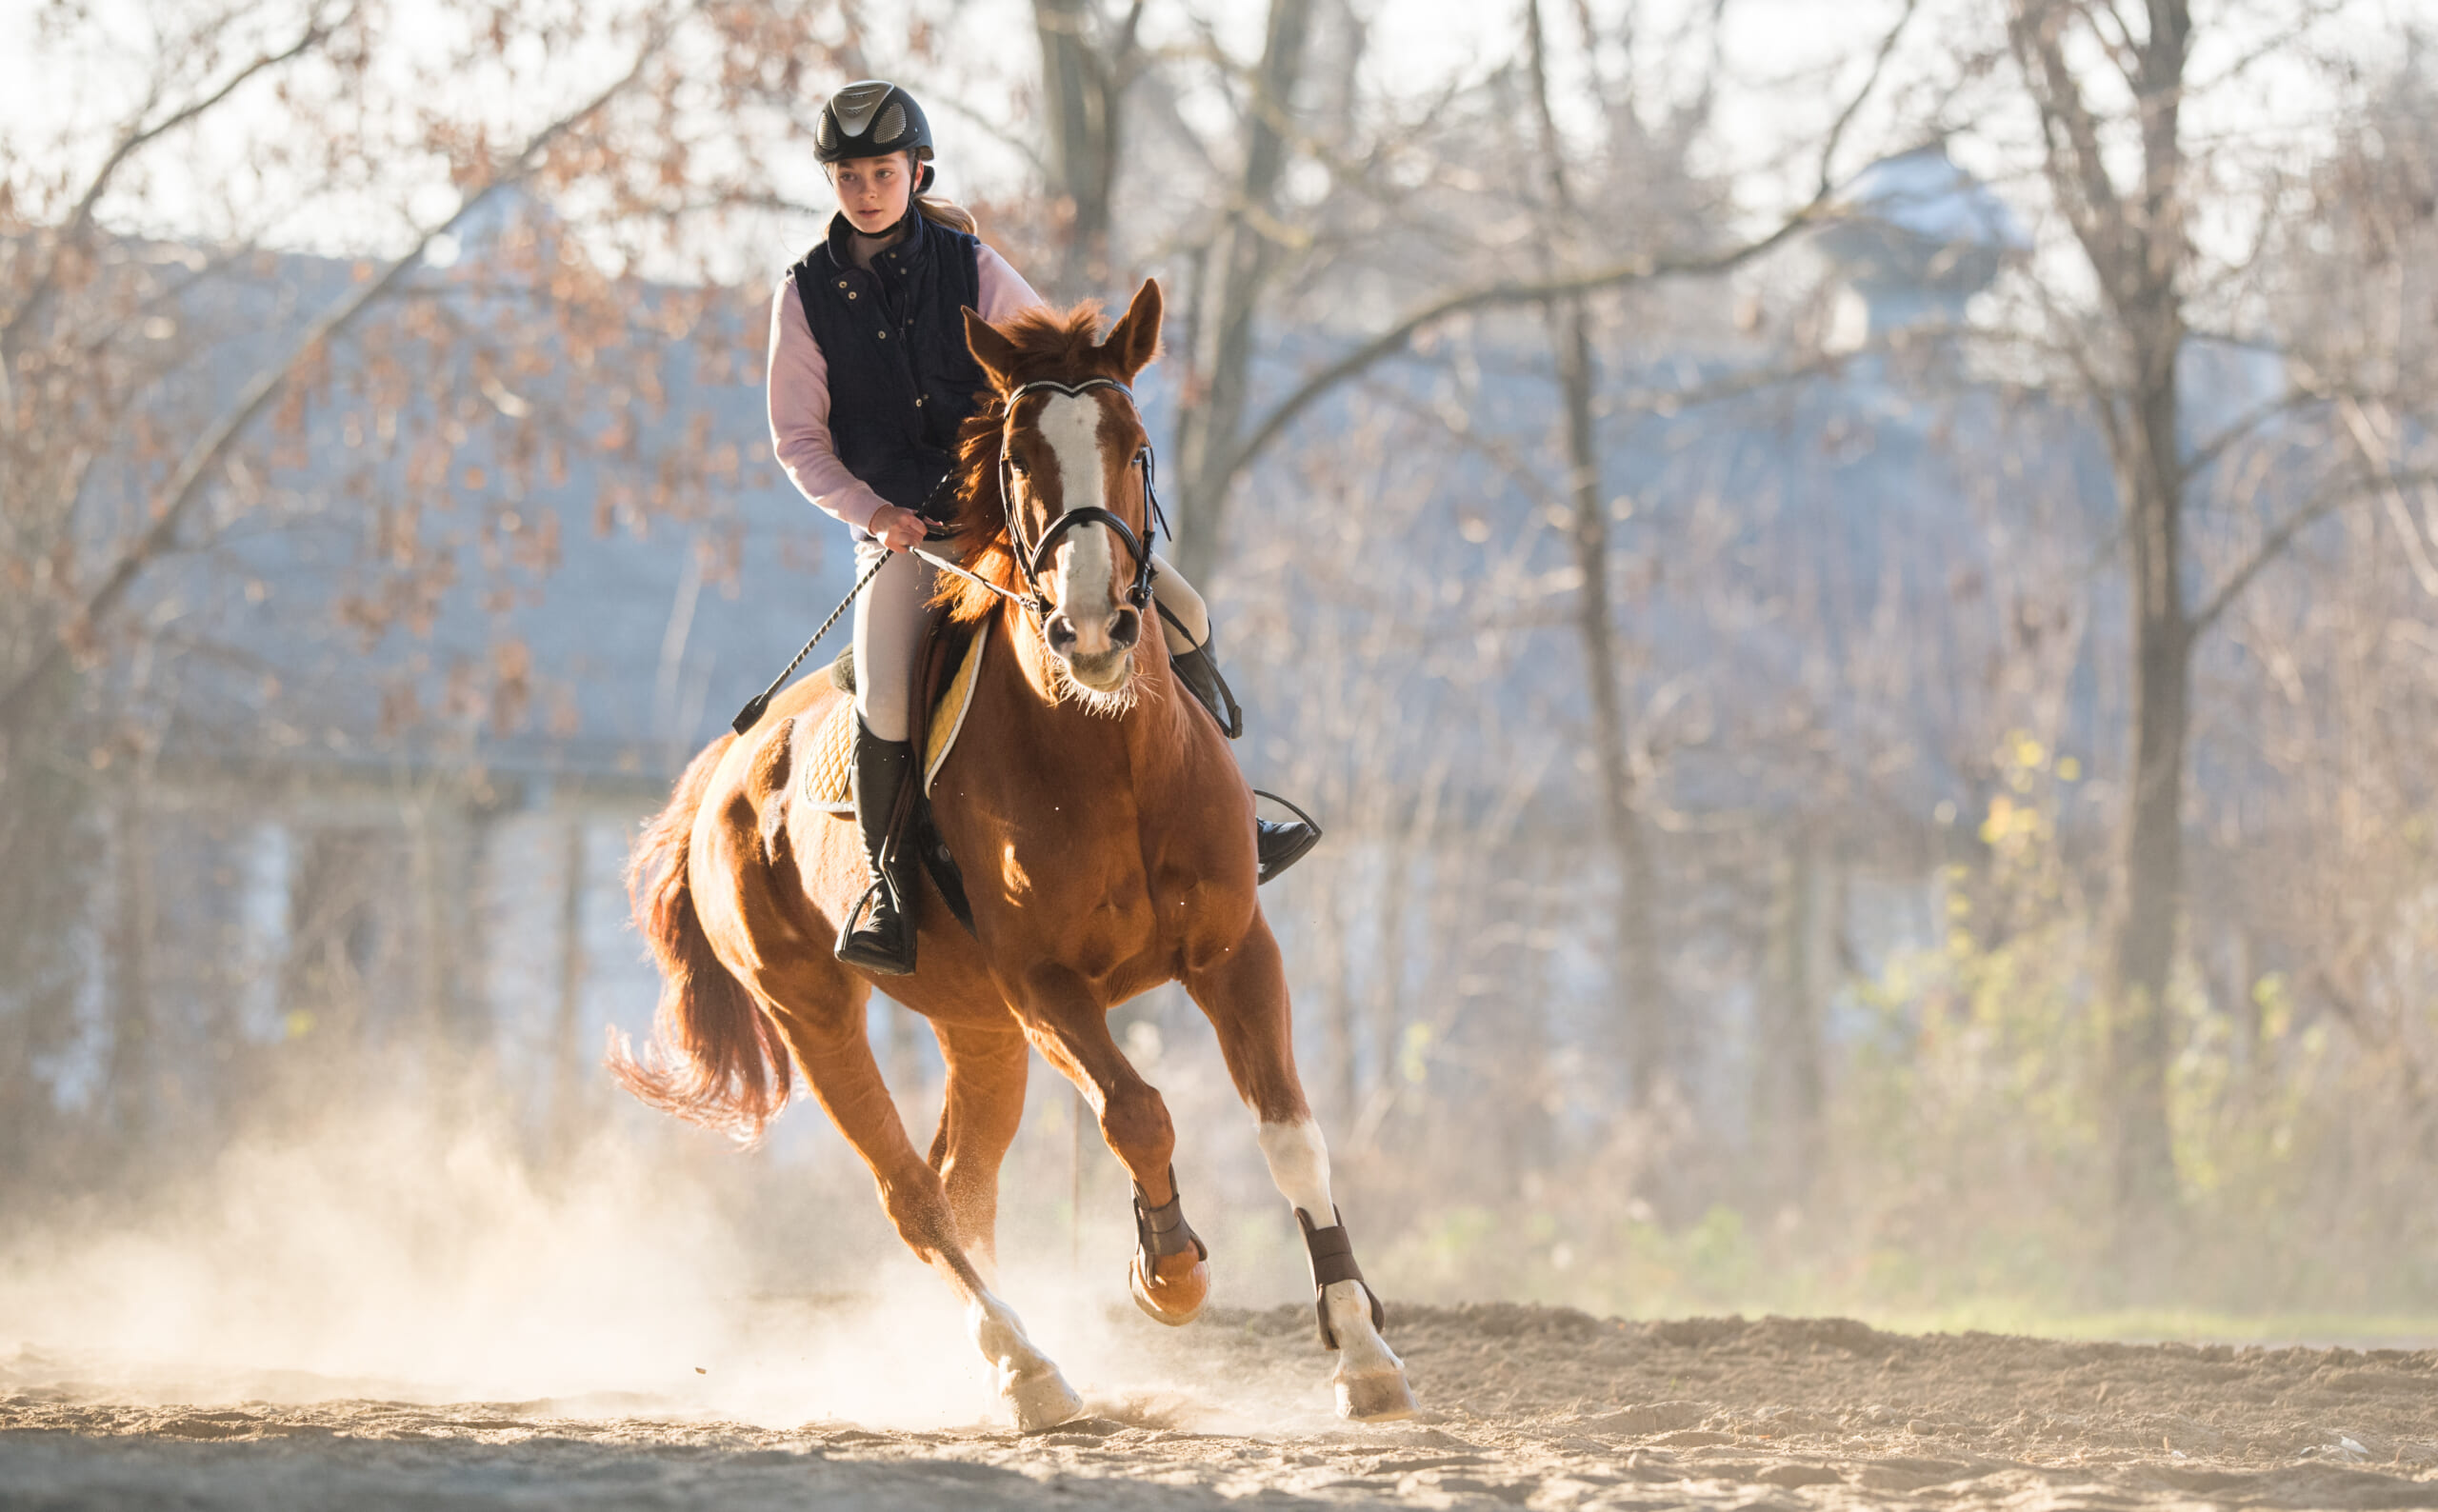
point(1033, 557)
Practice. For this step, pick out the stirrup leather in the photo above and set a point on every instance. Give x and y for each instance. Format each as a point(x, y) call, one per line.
point(871, 952)
point(1198, 670)
point(869, 901)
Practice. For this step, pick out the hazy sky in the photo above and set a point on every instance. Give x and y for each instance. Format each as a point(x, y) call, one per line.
point(1782, 78)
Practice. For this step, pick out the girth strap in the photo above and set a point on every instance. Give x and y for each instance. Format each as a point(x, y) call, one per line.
point(1333, 1255)
point(1163, 1230)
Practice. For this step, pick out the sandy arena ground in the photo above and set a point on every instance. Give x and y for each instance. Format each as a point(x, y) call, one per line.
point(1537, 1407)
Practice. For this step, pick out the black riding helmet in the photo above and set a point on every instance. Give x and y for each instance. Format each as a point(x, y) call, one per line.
point(873, 118)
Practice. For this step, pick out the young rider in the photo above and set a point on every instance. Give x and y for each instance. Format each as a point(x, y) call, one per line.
point(870, 381)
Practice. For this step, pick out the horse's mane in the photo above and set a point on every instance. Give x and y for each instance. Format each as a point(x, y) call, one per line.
point(1050, 344)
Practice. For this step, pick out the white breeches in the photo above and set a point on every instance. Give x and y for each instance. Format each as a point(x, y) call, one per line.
point(894, 615)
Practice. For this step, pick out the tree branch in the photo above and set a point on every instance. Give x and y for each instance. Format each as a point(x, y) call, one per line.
point(2084, 191)
point(2372, 438)
point(1854, 106)
point(2328, 499)
point(137, 136)
point(210, 449)
point(2198, 459)
point(1507, 292)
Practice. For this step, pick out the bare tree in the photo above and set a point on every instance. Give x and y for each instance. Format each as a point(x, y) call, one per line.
point(1240, 265)
point(1640, 984)
point(2132, 219)
point(161, 387)
point(1088, 64)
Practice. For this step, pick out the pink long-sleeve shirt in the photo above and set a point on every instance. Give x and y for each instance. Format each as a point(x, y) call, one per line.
point(799, 392)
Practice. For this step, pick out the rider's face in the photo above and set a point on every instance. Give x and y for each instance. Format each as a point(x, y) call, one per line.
point(873, 191)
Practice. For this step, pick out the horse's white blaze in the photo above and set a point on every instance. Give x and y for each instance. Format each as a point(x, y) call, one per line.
point(1085, 560)
point(1299, 1162)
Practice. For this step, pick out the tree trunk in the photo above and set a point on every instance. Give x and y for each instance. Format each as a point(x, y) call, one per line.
point(1207, 429)
point(135, 1057)
point(1787, 1084)
point(1642, 1028)
point(570, 1062)
point(1079, 92)
point(440, 854)
point(1337, 1003)
point(48, 866)
point(2149, 907)
point(2135, 241)
point(1642, 1015)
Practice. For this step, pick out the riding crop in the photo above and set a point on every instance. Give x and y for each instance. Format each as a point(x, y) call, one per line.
point(751, 713)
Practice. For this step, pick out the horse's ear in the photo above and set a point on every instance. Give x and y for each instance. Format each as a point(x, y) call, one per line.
point(1135, 339)
point(994, 350)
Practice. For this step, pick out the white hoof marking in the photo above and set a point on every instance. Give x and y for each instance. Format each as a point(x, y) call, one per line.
point(1026, 1381)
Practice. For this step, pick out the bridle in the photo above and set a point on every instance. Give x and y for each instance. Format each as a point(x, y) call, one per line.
point(1029, 559)
point(1033, 557)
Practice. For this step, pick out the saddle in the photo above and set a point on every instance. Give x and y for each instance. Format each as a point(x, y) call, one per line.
point(949, 669)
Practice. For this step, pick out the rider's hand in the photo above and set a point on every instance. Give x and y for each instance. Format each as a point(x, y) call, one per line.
point(898, 529)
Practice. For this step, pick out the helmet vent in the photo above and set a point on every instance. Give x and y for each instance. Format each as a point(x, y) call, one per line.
point(855, 104)
point(893, 125)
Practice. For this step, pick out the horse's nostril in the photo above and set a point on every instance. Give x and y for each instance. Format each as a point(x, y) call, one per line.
point(1127, 629)
point(1061, 635)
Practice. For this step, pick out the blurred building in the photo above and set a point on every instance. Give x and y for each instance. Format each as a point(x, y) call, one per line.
point(397, 826)
point(1913, 238)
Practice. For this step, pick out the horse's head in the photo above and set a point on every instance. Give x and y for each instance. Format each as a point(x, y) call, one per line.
point(1074, 474)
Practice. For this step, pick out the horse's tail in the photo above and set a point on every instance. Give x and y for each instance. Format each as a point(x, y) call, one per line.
point(717, 1059)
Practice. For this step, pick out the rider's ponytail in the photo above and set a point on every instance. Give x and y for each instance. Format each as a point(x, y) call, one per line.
point(947, 212)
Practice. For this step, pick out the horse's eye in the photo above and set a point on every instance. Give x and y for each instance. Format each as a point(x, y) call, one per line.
point(1018, 466)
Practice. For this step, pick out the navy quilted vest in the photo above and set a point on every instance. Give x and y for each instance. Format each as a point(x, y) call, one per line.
point(901, 380)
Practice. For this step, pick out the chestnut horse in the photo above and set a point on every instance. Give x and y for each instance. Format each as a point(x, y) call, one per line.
point(1106, 840)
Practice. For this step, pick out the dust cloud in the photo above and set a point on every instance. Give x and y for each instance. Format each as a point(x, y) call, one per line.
point(389, 1255)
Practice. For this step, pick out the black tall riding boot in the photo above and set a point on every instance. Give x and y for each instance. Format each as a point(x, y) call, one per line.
point(1200, 674)
point(1276, 846)
point(884, 942)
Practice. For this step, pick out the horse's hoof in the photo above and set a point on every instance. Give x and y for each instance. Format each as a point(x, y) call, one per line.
point(1043, 1399)
point(1173, 1300)
point(1379, 1397)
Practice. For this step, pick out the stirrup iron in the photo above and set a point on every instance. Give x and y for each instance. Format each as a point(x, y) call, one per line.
point(1277, 845)
point(870, 953)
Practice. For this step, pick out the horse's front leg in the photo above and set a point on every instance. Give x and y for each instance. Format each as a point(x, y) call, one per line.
point(1170, 1274)
point(1244, 992)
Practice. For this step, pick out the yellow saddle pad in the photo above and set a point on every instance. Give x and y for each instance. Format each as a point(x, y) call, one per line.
point(829, 762)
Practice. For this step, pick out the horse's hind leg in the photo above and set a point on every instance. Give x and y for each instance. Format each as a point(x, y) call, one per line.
point(838, 1062)
point(979, 1114)
point(1244, 993)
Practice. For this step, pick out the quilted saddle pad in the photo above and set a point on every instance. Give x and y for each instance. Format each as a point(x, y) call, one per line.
point(829, 760)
